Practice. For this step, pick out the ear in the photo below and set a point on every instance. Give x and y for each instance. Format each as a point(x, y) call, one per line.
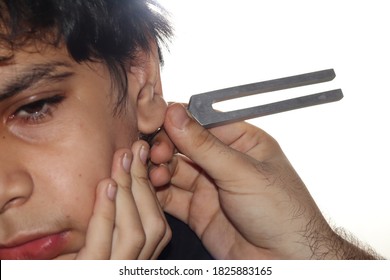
point(145, 90)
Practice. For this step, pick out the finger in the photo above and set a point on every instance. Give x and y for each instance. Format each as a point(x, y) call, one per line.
point(159, 175)
point(236, 131)
point(162, 148)
point(129, 236)
point(202, 147)
point(175, 201)
point(161, 153)
point(247, 139)
point(98, 240)
point(157, 232)
point(184, 172)
point(178, 196)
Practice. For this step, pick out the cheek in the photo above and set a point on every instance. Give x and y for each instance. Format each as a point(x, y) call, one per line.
point(67, 174)
point(124, 129)
point(67, 169)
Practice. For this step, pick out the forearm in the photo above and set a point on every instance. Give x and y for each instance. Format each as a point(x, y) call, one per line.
point(348, 247)
point(335, 244)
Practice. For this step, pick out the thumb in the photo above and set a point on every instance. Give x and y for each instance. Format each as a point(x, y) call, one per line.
point(197, 143)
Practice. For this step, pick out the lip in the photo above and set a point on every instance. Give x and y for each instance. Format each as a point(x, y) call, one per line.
point(35, 248)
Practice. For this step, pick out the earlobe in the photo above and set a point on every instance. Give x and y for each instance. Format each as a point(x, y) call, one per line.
point(146, 89)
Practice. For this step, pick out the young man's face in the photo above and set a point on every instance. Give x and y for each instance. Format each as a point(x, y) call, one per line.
point(58, 134)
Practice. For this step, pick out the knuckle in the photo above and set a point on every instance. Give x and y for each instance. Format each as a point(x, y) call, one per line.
point(163, 232)
point(139, 239)
point(140, 181)
point(125, 188)
point(168, 235)
point(161, 228)
point(271, 143)
point(156, 228)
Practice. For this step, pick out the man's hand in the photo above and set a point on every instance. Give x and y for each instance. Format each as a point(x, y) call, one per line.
point(239, 193)
point(127, 221)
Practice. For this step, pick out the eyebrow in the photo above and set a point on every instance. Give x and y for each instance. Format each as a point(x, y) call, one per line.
point(32, 75)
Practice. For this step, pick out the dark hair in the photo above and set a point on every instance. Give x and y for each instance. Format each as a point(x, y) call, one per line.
point(110, 31)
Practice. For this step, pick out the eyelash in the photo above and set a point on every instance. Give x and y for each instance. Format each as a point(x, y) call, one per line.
point(38, 111)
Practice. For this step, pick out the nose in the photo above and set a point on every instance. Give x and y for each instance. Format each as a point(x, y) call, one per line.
point(16, 185)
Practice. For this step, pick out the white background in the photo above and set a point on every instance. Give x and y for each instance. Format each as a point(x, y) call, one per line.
point(341, 150)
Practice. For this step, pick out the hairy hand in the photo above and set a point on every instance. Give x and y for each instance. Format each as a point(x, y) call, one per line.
point(239, 193)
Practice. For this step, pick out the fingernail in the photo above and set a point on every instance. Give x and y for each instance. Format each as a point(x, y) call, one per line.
point(179, 117)
point(126, 162)
point(111, 191)
point(143, 154)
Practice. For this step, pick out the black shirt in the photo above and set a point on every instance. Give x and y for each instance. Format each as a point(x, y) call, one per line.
point(184, 245)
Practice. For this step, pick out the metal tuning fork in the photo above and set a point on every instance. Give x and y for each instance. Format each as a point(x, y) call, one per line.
point(201, 105)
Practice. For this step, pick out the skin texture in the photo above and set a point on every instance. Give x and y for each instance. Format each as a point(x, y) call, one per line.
point(73, 167)
point(236, 189)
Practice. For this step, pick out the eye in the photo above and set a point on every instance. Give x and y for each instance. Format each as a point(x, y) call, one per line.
point(38, 111)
